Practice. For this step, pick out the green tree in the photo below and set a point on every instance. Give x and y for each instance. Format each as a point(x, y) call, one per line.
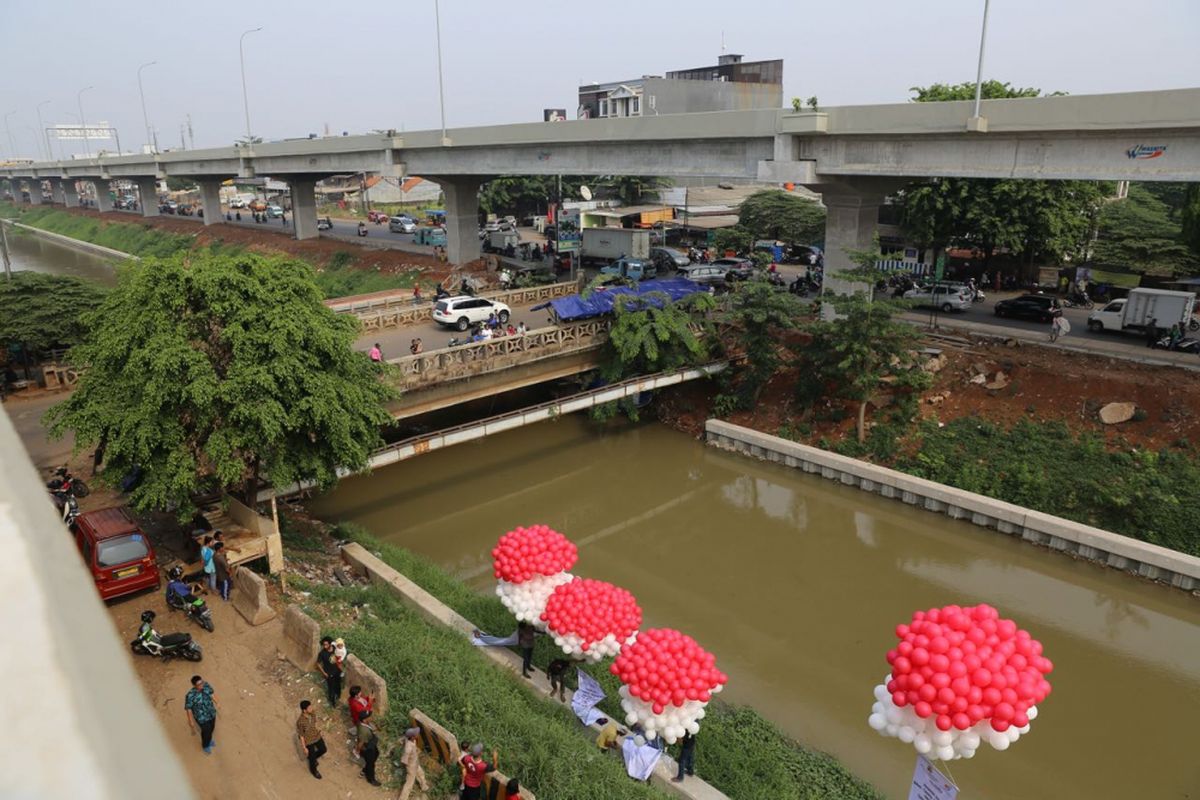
point(41, 311)
point(632, 189)
point(760, 315)
point(737, 239)
point(205, 368)
point(523, 195)
point(1051, 219)
point(1138, 232)
point(652, 333)
point(1190, 218)
point(850, 355)
point(180, 184)
point(776, 214)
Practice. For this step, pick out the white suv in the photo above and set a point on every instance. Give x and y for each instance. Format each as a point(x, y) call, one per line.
point(463, 311)
point(947, 297)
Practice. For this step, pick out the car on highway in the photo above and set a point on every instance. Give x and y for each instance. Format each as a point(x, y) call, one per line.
point(736, 269)
point(257, 205)
point(402, 224)
point(116, 552)
point(275, 211)
point(463, 311)
point(946, 297)
point(494, 225)
point(324, 224)
point(237, 202)
point(1040, 307)
point(668, 258)
point(707, 275)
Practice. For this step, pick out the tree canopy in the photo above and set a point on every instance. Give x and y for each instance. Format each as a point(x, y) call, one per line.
point(1138, 232)
point(788, 217)
point(631, 189)
point(652, 333)
point(43, 311)
point(205, 368)
point(1051, 219)
point(761, 314)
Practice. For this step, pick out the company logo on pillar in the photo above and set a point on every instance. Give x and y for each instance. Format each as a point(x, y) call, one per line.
point(1146, 151)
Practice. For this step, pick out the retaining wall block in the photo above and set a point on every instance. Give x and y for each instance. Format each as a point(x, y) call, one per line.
point(1148, 570)
point(1004, 526)
point(848, 479)
point(250, 598)
point(375, 687)
point(301, 638)
point(909, 497)
point(1089, 552)
point(1186, 582)
point(1119, 562)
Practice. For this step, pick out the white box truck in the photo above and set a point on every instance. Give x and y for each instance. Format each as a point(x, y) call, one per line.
point(608, 244)
point(1142, 307)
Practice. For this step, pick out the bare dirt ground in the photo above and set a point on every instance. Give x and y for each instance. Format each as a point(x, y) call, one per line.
point(1043, 383)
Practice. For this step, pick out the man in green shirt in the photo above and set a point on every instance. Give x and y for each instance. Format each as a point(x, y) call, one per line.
point(367, 746)
point(201, 708)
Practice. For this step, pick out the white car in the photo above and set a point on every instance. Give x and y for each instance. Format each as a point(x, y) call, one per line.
point(401, 225)
point(947, 297)
point(463, 311)
point(237, 202)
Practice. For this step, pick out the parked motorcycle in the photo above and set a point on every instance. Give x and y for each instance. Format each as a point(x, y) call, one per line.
point(172, 645)
point(68, 509)
point(1186, 345)
point(64, 481)
point(1078, 300)
point(196, 609)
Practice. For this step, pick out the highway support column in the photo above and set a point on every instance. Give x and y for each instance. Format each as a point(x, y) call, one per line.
point(147, 186)
point(35, 192)
point(462, 217)
point(70, 192)
point(210, 198)
point(851, 223)
point(103, 198)
point(304, 206)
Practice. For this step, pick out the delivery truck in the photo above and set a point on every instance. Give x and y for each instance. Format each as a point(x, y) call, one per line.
point(605, 245)
point(1144, 307)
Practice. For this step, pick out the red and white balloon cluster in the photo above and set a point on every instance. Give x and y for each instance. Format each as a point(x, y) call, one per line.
point(529, 563)
point(666, 682)
point(960, 677)
point(591, 619)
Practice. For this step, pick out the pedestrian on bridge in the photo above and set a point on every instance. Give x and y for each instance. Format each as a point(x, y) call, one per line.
point(376, 354)
point(416, 294)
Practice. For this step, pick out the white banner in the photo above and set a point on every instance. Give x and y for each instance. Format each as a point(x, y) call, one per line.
point(481, 639)
point(75, 132)
point(639, 761)
point(929, 784)
point(586, 697)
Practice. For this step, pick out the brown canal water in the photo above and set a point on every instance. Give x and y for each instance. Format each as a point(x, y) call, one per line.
point(796, 584)
point(28, 252)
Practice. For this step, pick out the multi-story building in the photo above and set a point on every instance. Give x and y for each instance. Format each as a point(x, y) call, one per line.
point(729, 85)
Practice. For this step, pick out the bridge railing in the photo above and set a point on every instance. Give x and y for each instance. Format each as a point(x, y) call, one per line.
point(398, 310)
point(478, 358)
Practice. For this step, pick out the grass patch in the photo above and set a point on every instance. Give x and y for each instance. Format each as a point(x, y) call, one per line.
point(1144, 494)
point(135, 239)
point(339, 279)
point(738, 751)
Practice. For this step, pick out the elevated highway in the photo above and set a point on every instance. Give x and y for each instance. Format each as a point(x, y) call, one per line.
point(853, 155)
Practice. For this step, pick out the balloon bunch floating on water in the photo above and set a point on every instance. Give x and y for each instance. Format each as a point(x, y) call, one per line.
point(667, 680)
point(960, 677)
point(529, 564)
point(591, 619)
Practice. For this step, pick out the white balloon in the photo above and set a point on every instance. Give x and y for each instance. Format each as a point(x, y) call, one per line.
point(922, 743)
point(942, 738)
point(1031, 712)
point(906, 734)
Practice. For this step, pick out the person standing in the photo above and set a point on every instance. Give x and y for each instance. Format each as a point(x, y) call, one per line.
point(416, 294)
point(473, 769)
point(201, 708)
point(206, 557)
point(376, 354)
point(556, 672)
point(224, 575)
point(411, 759)
point(1152, 333)
point(367, 746)
point(526, 634)
point(359, 704)
point(310, 736)
point(687, 757)
point(328, 664)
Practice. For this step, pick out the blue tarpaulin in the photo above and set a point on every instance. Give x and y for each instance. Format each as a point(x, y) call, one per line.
point(600, 301)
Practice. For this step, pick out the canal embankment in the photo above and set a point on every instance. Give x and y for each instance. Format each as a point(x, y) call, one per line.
point(1055, 533)
point(100, 251)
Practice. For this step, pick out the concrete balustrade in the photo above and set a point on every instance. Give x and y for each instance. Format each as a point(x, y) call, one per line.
point(1062, 535)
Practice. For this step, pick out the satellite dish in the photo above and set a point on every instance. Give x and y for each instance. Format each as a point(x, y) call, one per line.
point(585, 193)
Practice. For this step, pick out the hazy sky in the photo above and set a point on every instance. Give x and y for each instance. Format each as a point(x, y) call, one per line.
point(359, 66)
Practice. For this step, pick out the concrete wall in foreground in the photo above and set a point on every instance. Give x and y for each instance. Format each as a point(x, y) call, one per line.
point(1104, 547)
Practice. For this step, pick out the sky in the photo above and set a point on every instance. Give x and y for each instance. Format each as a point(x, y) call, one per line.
point(357, 67)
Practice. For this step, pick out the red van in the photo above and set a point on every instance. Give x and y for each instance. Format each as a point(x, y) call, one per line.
point(116, 551)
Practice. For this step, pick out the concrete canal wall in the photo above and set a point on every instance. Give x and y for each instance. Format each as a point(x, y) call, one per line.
point(77, 244)
point(1063, 535)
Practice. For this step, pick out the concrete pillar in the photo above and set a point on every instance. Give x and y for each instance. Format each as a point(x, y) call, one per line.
point(210, 197)
point(103, 198)
point(147, 186)
point(35, 192)
point(304, 207)
point(850, 224)
point(14, 186)
point(70, 194)
point(462, 217)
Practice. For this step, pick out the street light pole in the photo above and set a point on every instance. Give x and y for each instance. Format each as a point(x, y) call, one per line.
point(87, 149)
point(245, 96)
point(142, 94)
point(45, 133)
point(437, 13)
point(11, 144)
point(979, 72)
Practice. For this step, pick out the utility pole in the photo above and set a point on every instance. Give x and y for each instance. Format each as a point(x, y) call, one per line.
point(182, 131)
point(142, 95)
point(87, 148)
point(441, 94)
point(4, 251)
point(191, 136)
point(245, 96)
point(979, 72)
point(45, 133)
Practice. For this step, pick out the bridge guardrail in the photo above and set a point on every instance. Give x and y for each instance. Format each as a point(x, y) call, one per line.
point(398, 310)
point(479, 358)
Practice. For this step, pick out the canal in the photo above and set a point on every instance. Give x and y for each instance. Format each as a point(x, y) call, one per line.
point(28, 252)
point(796, 583)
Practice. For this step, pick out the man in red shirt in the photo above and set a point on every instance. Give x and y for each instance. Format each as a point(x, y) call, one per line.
point(473, 770)
point(359, 703)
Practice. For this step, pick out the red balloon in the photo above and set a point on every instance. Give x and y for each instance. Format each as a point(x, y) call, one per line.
point(923, 709)
point(943, 722)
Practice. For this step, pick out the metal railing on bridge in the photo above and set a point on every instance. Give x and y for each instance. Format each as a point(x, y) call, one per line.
point(479, 358)
point(397, 310)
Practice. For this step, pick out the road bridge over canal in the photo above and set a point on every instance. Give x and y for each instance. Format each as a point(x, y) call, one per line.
point(853, 155)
